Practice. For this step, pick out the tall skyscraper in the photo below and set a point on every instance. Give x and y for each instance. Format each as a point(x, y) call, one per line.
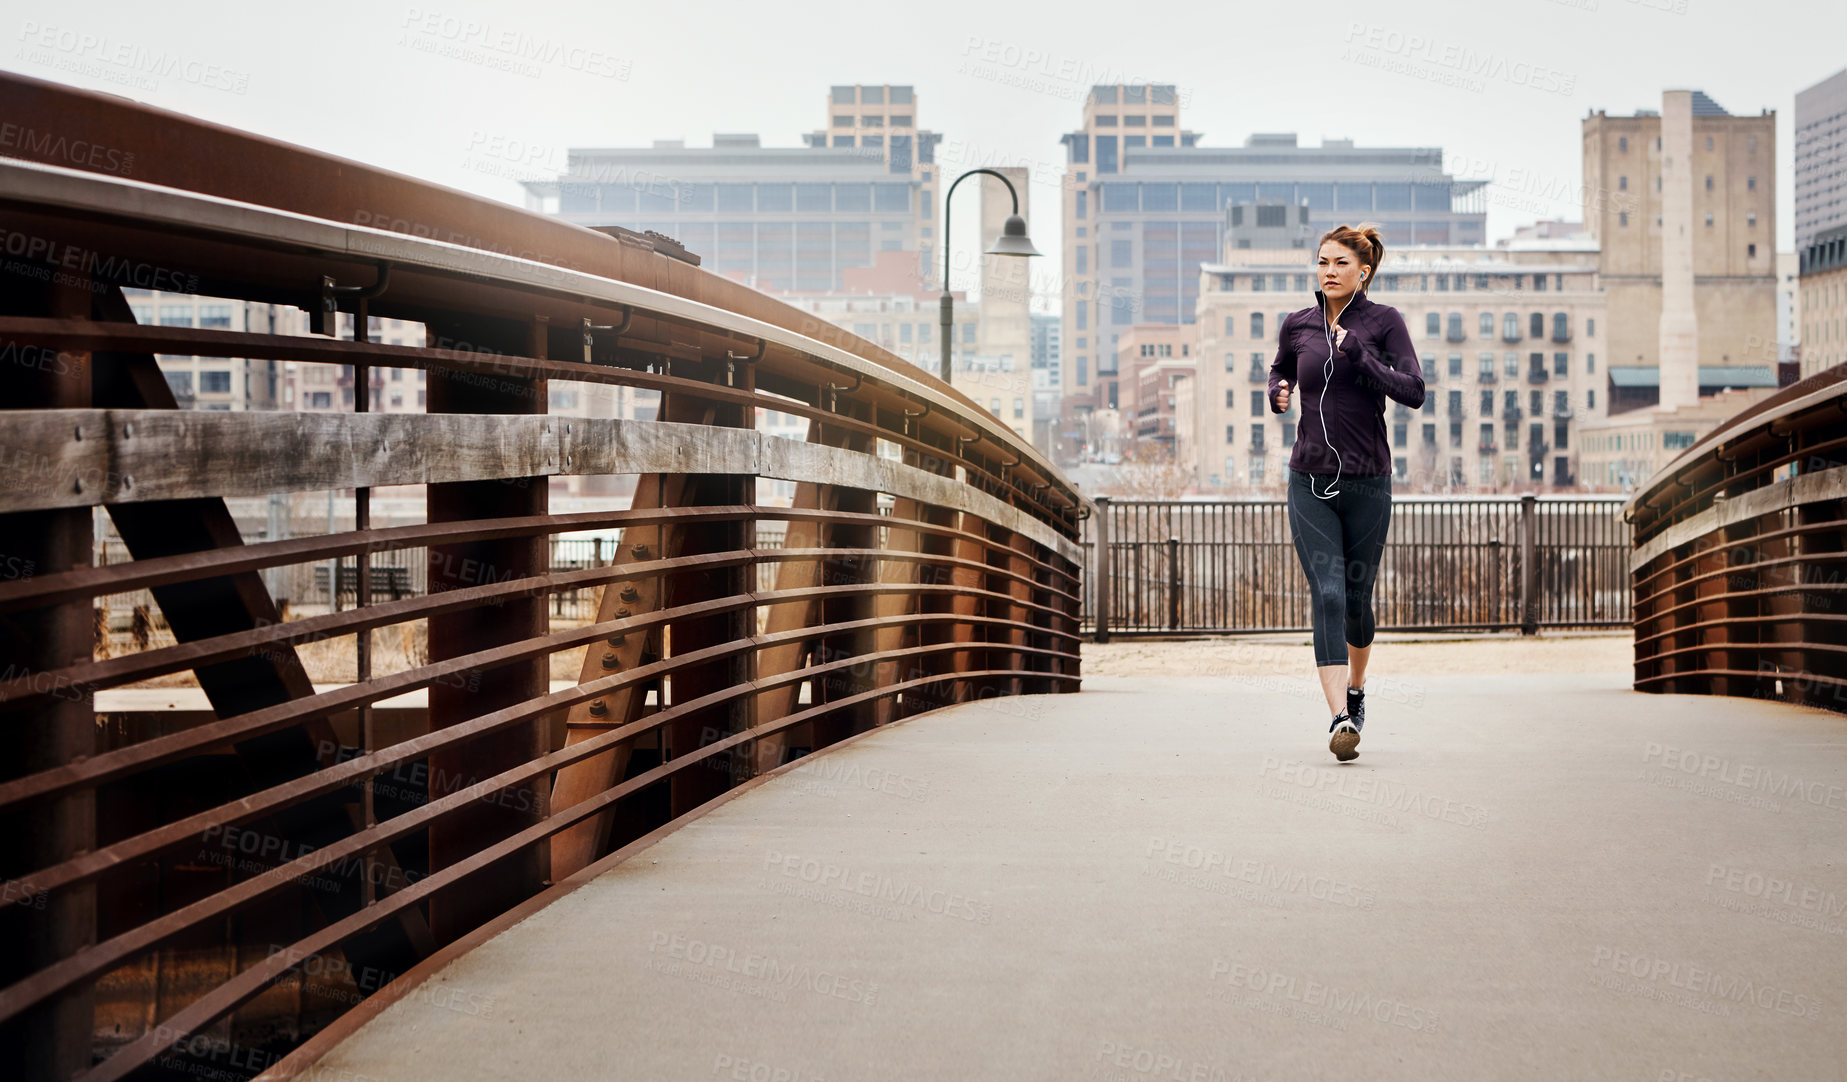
point(778, 218)
point(1821, 157)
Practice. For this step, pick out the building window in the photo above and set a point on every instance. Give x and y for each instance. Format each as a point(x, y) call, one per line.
point(1256, 437)
point(1256, 324)
point(1455, 403)
point(1510, 327)
point(1231, 433)
point(1708, 217)
point(1258, 368)
point(1560, 436)
point(1231, 399)
point(214, 383)
point(1019, 408)
point(1751, 219)
point(1256, 470)
point(1083, 259)
point(1561, 364)
point(1536, 325)
point(215, 315)
point(1487, 403)
point(1487, 439)
point(1400, 468)
point(1622, 184)
point(1590, 363)
point(1398, 435)
point(1430, 368)
point(1510, 365)
point(1750, 251)
point(1455, 433)
point(1708, 178)
point(1487, 325)
point(1256, 403)
point(1455, 365)
point(1455, 327)
point(1750, 184)
point(1433, 325)
point(1709, 147)
point(1231, 360)
point(1590, 399)
point(1485, 367)
point(1622, 144)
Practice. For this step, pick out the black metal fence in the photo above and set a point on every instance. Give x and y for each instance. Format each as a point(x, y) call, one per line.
point(1450, 563)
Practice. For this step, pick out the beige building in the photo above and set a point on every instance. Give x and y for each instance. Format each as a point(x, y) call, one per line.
point(1619, 453)
point(891, 305)
point(1682, 204)
point(1511, 340)
point(326, 388)
point(1823, 304)
point(220, 383)
point(1150, 357)
point(1186, 418)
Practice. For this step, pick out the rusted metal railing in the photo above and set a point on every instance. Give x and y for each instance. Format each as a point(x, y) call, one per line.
point(1740, 559)
point(241, 882)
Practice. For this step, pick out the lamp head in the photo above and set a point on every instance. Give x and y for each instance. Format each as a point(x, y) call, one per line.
point(1013, 239)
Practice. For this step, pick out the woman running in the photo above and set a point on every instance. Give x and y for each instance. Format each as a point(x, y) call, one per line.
point(1345, 356)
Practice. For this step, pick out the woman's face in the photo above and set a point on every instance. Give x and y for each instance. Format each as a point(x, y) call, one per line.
point(1338, 270)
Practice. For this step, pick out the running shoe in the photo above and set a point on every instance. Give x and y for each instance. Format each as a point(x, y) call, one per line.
point(1345, 738)
point(1356, 707)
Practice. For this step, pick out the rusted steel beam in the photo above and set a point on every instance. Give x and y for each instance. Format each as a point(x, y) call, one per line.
point(902, 536)
point(639, 547)
point(53, 1039)
point(803, 533)
point(691, 789)
point(469, 631)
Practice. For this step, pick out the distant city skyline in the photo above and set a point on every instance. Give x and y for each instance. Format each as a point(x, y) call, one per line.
point(479, 96)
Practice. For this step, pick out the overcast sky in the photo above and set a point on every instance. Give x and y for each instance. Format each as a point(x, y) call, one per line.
point(439, 90)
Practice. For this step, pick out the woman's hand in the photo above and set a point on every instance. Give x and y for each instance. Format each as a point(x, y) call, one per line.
point(1340, 336)
point(1282, 397)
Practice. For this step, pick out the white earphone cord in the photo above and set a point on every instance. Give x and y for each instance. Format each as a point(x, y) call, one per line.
point(1327, 377)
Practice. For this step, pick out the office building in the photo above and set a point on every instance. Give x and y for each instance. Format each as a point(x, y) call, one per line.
point(219, 383)
point(1824, 301)
point(1821, 157)
point(776, 218)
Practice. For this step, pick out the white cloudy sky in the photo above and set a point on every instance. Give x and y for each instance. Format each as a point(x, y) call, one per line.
point(1000, 81)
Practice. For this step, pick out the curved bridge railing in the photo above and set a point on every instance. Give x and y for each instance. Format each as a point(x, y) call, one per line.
point(1740, 555)
point(190, 897)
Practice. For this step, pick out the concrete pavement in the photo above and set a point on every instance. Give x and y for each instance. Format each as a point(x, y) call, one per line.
point(1521, 877)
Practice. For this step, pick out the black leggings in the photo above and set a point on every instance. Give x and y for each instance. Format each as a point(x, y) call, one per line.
point(1339, 541)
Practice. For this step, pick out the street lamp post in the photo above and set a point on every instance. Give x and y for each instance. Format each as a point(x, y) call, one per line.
point(1012, 241)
